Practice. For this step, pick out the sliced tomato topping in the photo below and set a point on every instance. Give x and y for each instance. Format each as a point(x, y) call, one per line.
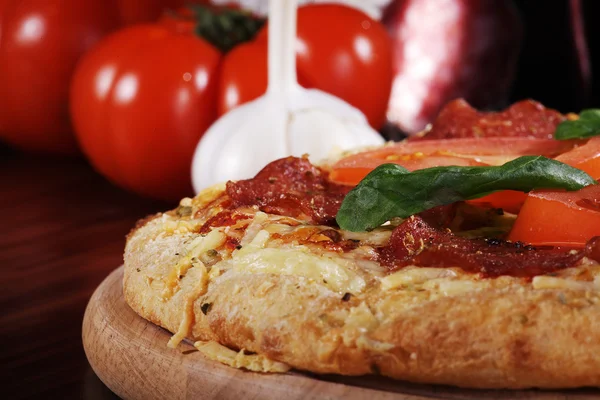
point(415, 155)
point(559, 218)
point(431, 153)
point(508, 200)
point(352, 175)
point(586, 157)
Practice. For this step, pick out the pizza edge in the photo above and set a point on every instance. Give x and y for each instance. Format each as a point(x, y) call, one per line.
point(497, 338)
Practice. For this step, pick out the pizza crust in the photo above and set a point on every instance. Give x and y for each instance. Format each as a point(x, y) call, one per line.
point(492, 333)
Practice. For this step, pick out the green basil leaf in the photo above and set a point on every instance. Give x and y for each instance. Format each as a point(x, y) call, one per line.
point(392, 191)
point(586, 126)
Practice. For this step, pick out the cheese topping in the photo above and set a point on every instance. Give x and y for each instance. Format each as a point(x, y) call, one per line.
point(551, 282)
point(361, 318)
point(196, 248)
point(414, 275)
point(260, 218)
point(333, 272)
point(455, 287)
point(212, 240)
point(171, 225)
point(377, 237)
point(251, 362)
point(188, 309)
point(207, 195)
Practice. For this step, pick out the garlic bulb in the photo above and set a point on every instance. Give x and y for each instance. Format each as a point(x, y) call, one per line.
point(287, 120)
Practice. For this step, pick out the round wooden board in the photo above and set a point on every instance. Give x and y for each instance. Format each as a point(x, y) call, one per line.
point(130, 356)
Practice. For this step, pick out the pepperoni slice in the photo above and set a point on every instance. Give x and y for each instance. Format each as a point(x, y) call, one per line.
point(525, 118)
point(414, 242)
point(291, 186)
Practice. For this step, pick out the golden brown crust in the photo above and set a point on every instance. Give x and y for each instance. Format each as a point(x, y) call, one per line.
point(140, 224)
point(503, 335)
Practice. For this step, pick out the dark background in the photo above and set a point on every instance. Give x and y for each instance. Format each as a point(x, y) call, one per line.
point(550, 68)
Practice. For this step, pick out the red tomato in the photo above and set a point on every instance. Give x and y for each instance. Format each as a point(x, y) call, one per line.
point(40, 43)
point(340, 50)
point(137, 11)
point(243, 75)
point(140, 102)
point(344, 52)
point(508, 200)
point(586, 157)
point(559, 218)
point(352, 175)
point(430, 153)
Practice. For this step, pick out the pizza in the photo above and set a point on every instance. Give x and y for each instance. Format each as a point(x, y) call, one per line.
point(329, 269)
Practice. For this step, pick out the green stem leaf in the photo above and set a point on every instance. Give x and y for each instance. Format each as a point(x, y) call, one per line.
point(586, 126)
point(225, 28)
point(392, 191)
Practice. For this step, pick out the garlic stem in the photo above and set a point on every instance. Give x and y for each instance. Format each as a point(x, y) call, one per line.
point(282, 46)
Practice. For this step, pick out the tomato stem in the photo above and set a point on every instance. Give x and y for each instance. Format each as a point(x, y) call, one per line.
point(224, 27)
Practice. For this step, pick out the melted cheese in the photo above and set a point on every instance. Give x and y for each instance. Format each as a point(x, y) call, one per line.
point(215, 272)
point(188, 308)
point(377, 237)
point(198, 246)
point(551, 282)
point(186, 202)
point(361, 318)
point(299, 261)
point(208, 195)
point(251, 362)
point(279, 228)
point(413, 276)
point(171, 225)
point(358, 322)
point(213, 240)
point(260, 218)
point(455, 287)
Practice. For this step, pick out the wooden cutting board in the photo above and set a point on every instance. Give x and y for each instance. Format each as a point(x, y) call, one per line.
point(130, 355)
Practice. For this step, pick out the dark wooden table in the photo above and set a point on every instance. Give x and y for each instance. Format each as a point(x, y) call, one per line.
point(62, 230)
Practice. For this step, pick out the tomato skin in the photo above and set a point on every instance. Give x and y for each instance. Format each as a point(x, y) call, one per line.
point(243, 75)
point(345, 53)
point(445, 152)
point(493, 151)
point(585, 157)
point(140, 102)
point(353, 175)
point(340, 50)
point(41, 41)
point(139, 11)
point(559, 218)
point(432, 153)
point(508, 200)
point(40, 44)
